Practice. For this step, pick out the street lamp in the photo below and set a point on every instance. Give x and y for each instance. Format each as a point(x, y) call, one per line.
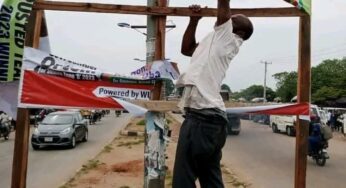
point(138, 27)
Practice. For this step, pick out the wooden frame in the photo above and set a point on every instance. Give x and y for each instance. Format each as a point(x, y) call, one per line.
point(160, 12)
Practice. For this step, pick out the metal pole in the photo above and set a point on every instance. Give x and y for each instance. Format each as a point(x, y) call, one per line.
point(265, 81)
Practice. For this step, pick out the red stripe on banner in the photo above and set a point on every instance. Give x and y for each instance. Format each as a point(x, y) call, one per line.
point(41, 89)
point(296, 109)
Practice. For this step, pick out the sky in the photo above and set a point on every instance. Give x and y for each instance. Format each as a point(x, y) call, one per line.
point(95, 39)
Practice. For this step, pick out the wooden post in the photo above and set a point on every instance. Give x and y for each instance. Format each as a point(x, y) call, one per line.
point(20, 154)
point(21, 145)
point(304, 87)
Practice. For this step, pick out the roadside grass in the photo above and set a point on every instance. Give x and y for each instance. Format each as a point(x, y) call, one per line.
point(141, 122)
point(231, 178)
point(130, 143)
point(108, 148)
point(91, 164)
point(169, 178)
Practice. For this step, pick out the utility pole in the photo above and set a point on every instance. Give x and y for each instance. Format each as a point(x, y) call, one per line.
point(155, 168)
point(265, 80)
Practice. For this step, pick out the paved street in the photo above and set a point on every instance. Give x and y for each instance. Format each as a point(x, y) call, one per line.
point(52, 167)
point(267, 160)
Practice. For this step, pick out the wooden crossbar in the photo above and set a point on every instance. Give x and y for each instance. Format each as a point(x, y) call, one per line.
point(165, 106)
point(163, 11)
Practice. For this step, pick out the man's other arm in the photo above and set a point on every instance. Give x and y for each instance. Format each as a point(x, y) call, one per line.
point(223, 12)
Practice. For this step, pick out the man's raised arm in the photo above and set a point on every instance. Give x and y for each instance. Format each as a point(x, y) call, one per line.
point(223, 12)
point(189, 40)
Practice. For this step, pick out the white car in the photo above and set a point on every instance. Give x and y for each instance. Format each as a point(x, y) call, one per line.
point(287, 123)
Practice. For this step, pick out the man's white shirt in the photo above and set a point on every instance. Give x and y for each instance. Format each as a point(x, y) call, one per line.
point(209, 63)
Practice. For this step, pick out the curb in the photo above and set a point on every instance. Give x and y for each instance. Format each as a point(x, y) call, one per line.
point(131, 133)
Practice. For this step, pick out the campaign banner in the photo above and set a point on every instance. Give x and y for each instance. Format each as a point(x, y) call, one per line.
point(54, 82)
point(14, 15)
point(158, 69)
point(45, 63)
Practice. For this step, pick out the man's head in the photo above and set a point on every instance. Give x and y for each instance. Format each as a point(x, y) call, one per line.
point(242, 26)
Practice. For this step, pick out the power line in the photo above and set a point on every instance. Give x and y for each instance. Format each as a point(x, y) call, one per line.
point(331, 50)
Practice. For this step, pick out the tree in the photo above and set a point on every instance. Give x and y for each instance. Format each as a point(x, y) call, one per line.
point(286, 85)
point(256, 91)
point(326, 93)
point(226, 87)
point(329, 73)
point(328, 82)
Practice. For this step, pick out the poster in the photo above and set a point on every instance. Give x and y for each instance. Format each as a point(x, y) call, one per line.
point(14, 15)
point(158, 69)
point(54, 82)
point(155, 147)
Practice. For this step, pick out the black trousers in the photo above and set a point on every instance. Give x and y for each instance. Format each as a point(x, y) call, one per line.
point(198, 152)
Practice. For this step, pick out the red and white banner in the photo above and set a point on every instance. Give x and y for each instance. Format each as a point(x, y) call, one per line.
point(301, 109)
point(278, 109)
point(50, 81)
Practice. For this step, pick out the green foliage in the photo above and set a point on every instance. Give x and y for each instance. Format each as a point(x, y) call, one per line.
point(226, 87)
point(254, 91)
point(328, 82)
point(141, 122)
point(286, 85)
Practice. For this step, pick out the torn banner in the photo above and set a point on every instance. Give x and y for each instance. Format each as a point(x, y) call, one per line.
point(158, 69)
point(51, 81)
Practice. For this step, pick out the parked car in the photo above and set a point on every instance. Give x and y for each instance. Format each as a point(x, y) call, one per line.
point(63, 128)
point(287, 123)
point(233, 126)
point(245, 116)
point(261, 118)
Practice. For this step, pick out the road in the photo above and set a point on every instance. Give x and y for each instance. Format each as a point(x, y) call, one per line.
point(267, 160)
point(53, 166)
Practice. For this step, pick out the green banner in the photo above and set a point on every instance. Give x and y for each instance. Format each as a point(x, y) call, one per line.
point(14, 15)
point(302, 4)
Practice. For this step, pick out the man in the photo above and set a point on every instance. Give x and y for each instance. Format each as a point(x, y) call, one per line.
point(203, 132)
point(315, 137)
